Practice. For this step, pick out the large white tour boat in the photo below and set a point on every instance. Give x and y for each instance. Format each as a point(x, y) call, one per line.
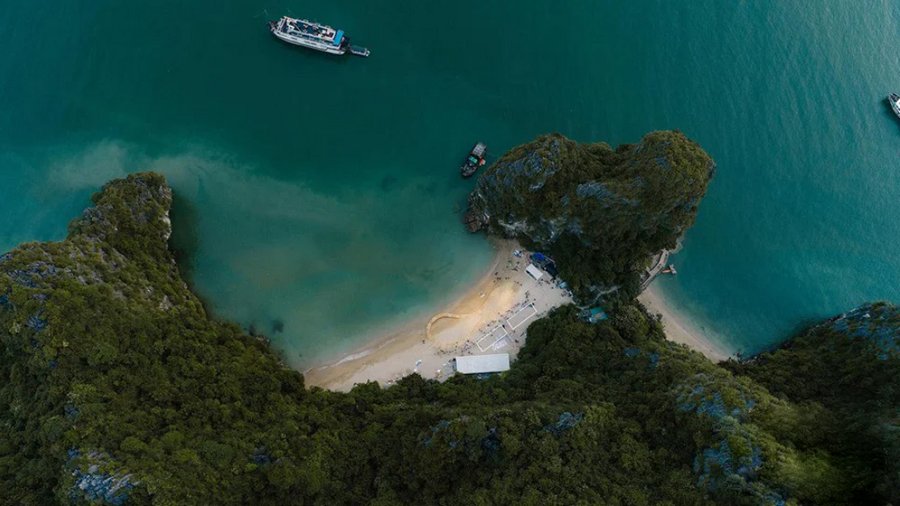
point(301, 32)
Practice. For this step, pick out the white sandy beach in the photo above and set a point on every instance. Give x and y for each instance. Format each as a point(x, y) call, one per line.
point(427, 345)
point(503, 298)
point(678, 328)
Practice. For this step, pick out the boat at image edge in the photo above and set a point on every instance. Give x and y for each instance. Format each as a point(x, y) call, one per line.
point(304, 33)
point(894, 100)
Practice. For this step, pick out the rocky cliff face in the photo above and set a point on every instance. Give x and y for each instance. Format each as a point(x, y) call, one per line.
point(600, 211)
point(71, 315)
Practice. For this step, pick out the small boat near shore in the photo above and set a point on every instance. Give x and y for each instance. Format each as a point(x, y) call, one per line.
point(304, 33)
point(894, 100)
point(474, 160)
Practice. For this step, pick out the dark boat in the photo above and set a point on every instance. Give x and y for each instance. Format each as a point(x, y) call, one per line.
point(474, 160)
point(894, 100)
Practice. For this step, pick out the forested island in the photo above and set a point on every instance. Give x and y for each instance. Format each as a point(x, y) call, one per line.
point(601, 212)
point(119, 388)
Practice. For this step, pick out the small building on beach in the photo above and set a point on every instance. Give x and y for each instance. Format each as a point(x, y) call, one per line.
point(480, 364)
point(534, 272)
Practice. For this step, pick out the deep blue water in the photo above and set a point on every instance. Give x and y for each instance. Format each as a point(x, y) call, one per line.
point(322, 192)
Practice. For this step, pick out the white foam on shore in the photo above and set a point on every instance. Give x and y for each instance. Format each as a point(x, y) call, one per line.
point(354, 356)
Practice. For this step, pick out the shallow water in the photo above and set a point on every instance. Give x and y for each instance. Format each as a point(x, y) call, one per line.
point(318, 197)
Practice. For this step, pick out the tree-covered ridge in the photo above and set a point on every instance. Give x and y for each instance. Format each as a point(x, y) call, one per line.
point(119, 389)
point(117, 380)
point(601, 212)
point(849, 365)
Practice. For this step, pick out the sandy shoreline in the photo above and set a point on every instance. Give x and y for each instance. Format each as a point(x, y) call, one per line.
point(678, 328)
point(490, 317)
point(504, 300)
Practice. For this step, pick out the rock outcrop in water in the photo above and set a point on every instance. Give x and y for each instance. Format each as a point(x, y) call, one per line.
point(601, 212)
point(117, 388)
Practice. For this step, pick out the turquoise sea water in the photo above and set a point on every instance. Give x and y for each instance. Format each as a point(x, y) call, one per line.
point(318, 197)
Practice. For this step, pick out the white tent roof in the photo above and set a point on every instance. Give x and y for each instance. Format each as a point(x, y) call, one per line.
point(534, 271)
point(476, 364)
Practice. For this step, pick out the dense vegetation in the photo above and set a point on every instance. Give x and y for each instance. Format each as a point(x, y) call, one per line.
point(118, 389)
point(601, 212)
point(848, 365)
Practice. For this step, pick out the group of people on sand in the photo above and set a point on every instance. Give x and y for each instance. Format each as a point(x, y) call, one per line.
point(514, 337)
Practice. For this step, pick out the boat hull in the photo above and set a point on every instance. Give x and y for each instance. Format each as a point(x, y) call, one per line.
point(469, 168)
point(894, 101)
point(322, 47)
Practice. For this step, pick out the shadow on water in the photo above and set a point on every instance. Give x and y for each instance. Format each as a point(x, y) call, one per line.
point(184, 242)
point(388, 183)
point(888, 112)
point(313, 54)
point(797, 330)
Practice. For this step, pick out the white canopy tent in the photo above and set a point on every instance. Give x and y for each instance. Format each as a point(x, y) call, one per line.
point(534, 272)
point(478, 364)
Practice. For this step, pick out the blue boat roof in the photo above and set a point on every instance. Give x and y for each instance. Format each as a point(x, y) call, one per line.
point(338, 37)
